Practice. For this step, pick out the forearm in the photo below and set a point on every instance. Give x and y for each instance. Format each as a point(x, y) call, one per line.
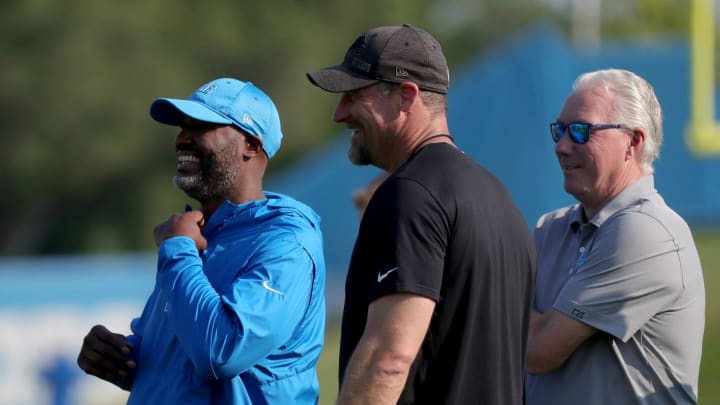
point(379, 367)
point(552, 339)
point(374, 378)
point(216, 339)
point(223, 335)
point(194, 309)
point(535, 322)
point(539, 355)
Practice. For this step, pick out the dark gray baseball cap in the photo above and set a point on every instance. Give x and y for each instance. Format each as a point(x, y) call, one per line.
point(392, 54)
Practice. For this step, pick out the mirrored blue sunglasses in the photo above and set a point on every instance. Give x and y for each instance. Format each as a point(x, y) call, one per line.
point(579, 131)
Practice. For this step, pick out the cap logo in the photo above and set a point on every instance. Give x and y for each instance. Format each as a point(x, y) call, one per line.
point(207, 89)
point(400, 72)
point(247, 120)
point(361, 65)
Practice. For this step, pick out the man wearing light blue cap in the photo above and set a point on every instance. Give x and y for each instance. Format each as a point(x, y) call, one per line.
point(237, 315)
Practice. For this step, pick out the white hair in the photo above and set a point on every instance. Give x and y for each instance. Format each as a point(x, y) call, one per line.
point(634, 105)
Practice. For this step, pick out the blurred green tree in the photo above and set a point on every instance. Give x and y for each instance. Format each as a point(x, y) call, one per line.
point(87, 170)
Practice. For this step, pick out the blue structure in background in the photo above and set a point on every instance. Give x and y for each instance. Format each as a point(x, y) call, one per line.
point(73, 283)
point(81, 281)
point(61, 375)
point(499, 110)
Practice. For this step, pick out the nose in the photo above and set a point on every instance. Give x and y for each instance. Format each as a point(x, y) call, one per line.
point(183, 137)
point(342, 110)
point(564, 144)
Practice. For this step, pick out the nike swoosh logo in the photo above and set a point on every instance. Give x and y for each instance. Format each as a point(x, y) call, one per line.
point(266, 286)
point(381, 275)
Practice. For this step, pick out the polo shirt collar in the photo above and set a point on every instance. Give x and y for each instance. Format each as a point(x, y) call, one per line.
point(635, 191)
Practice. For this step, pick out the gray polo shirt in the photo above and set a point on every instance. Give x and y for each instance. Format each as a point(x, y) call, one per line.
point(633, 273)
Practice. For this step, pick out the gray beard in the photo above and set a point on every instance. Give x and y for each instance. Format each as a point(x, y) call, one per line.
point(218, 172)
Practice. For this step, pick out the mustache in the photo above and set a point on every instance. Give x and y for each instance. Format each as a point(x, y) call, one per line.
point(185, 148)
point(191, 149)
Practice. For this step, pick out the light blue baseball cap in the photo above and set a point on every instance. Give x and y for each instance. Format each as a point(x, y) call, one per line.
point(226, 101)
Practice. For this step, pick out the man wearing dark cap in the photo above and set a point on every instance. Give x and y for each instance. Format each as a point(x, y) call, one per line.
point(237, 314)
point(439, 289)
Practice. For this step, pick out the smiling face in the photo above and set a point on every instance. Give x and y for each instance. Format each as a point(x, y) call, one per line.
point(369, 113)
point(595, 172)
point(208, 154)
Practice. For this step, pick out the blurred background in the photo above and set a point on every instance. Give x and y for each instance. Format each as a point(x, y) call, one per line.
point(87, 174)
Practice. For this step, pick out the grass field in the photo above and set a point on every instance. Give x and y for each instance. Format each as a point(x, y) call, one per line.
point(708, 244)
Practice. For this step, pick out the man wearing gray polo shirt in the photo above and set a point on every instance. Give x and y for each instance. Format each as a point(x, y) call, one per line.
point(620, 301)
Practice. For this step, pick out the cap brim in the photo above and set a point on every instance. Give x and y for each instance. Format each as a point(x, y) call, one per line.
point(336, 79)
point(171, 112)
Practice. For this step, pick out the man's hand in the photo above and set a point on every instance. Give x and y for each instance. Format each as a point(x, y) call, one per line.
point(106, 355)
point(188, 224)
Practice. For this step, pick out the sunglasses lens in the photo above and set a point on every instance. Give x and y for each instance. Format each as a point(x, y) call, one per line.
point(580, 133)
point(556, 130)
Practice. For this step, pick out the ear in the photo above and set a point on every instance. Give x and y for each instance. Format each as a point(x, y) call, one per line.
point(254, 147)
point(638, 137)
point(637, 141)
point(409, 94)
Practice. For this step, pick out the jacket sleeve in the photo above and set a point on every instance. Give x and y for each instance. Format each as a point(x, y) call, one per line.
point(226, 332)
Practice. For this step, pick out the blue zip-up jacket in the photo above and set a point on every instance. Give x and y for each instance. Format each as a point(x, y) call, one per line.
point(241, 322)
